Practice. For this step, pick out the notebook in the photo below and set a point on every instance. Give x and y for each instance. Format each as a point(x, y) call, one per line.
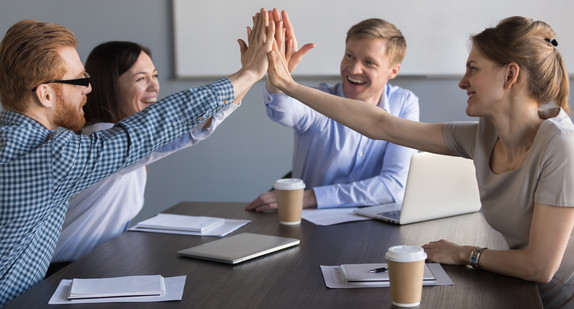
point(238, 248)
point(437, 186)
point(359, 273)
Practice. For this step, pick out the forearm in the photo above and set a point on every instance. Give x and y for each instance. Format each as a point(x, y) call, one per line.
point(367, 192)
point(370, 120)
point(360, 116)
point(516, 263)
point(519, 263)
point(153, 127)
point(270, 88)
point(550, 232)
point(242, 81)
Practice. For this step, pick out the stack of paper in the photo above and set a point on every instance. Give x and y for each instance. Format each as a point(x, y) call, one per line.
point(189, 225)
point(117, 287)
point(347, 276)
point(133, 289)
point(181, 223)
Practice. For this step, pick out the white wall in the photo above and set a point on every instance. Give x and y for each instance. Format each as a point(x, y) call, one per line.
point(247, 152)
point(437, 31)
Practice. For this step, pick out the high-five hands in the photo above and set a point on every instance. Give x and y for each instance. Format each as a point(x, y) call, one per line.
point(285, 38)
point(286, 43)
point(260, 38)
point(278, 73)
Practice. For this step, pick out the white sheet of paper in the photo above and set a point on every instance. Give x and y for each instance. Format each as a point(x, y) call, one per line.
point(334, 279)
point(173, 292)
point(331, 216)
point(200, 224)
point(117, 287)
point(228, 226)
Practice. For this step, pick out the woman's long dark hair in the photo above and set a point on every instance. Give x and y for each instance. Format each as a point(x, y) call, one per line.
point(105, 64)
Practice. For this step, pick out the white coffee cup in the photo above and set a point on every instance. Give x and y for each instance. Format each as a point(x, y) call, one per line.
point(406, 268)
point(289, 200)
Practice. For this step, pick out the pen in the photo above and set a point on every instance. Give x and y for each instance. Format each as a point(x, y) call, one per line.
point(378, 270)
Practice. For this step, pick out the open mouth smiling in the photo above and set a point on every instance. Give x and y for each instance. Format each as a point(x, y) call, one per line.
point(356, 81)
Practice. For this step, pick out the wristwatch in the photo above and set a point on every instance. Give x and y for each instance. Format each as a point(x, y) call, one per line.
point(475, 256)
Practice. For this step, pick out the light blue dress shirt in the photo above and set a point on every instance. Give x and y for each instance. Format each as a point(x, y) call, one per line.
point(343, 167)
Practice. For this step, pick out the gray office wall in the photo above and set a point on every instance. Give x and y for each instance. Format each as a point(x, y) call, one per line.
point(248, 151)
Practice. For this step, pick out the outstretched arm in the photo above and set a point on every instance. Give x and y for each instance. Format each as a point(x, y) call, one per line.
point(362, 117)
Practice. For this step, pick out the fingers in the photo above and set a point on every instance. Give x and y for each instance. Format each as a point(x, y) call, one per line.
point(289, 33)
point(269, 42)
point(296, 56)
point(280, 37)
point(263, 202)
point(276, 15)
point(260, 21)
point(242, 46)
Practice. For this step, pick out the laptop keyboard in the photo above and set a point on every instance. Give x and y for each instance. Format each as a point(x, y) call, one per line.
point(395, 214)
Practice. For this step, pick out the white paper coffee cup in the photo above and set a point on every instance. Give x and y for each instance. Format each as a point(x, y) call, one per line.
point(406, 269)
point(289, 200)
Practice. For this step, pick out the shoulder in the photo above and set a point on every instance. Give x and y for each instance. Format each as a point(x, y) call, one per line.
point(556, 136)
point(560, 127)
point(559, 123)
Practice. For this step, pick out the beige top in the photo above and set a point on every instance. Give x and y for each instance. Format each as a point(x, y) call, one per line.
point(545, 177)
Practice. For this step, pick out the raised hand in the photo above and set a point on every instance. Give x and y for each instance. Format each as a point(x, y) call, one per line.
point(279, 75)
point(293, 54)
point(286, 41)
point(260, 38)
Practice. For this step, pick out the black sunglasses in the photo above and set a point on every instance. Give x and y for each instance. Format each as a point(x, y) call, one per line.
point(85, 81)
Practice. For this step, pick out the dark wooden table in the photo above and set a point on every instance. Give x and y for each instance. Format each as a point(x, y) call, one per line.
point(291, 278)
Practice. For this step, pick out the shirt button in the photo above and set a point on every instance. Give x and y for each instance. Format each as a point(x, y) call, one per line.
point(225, 101)
point(200, 118)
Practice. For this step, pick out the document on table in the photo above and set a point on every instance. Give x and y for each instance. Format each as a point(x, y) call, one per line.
point(224, 227)
point(181, 223)
point(332, 216)
point(334, 278)
point(173, 292)
point(117, 287)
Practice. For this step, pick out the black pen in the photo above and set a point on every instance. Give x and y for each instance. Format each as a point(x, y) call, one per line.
point(378, 270)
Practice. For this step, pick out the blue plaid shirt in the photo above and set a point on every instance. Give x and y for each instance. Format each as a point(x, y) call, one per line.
point(41, 169)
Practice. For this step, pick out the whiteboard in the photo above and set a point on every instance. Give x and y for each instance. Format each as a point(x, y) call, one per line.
point(437, 32)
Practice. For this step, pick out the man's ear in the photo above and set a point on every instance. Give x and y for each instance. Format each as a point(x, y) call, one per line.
point(511, 77)
point(45, 96)
point(394, 71)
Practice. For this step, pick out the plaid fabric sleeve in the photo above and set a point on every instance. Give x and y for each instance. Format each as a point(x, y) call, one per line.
point(41, 169)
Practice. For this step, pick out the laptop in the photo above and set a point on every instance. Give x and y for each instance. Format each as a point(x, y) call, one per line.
point(437, 186)
point(239, 248)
